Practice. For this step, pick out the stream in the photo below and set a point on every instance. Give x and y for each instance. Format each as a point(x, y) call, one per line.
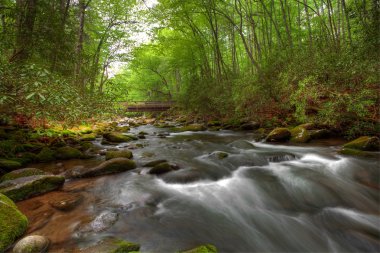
point(260, 198)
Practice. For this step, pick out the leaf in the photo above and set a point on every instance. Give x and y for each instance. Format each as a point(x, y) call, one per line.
point(30, 95)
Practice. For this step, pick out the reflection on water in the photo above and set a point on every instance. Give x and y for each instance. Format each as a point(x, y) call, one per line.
point(261, 197)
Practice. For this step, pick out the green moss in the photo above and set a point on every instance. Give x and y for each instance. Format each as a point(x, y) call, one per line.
point(122, 129)
point(208, 248)
point(32, 186)
point(21, 173)
point(9, 164)
point(8, 147)
point(88, 137)
point(122, 153)
point(365, 143)
point(356, 152)
point(278, 134)
point(299, 135)
point(86, 145)
point(66, 153)
point(118, 137)
point(192, 128)
point(126, 247)
point(12, 223)
point(46, 155)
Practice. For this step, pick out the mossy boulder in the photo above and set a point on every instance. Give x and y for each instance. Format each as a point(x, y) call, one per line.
point(25, 187)
point(120, 153)
point(88, 137)
point(299, 135)
point(27, 172)
point(319, 134)
point(9, 165)
point(364, 143)
point(279, 135)
point(154, 163)
point(163, 168)
point(356, 152)
point(66, 153)
point(122, 129)
point(191, 128)
point(32, 244)
point(112, 245)
point(115, 165)
point(117, 137)
point(208, 248)
point(12, 222)
point(46, 155)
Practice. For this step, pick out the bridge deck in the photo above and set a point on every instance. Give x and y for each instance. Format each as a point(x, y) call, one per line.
point(148, 106)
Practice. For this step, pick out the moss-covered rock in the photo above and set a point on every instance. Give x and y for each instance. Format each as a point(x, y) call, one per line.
point(279, 135)
point(220, 154)
point(88, 137)
point(192, 128)
point(122, 129)
point(214, 123)
point(364, 143)
point(308, 126)
point(112, 245)
point(356, 152)
point(319, 134)
point(66, 153)
point(27, 172)
point(117, 137)
point(32, 244)
point(25, 187)
point(114, 165)
point(162, 168)
point(46, 155)
point(120, 153)
point(12, 222)
point(9, 165)
point(299, 135)
point(154, 163)
point(208, 248)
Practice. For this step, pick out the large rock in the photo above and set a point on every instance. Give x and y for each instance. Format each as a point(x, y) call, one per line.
point(279, 135)
point(364, 143)
point(8, 165)
point(88, 137)
point(163, 168)
point(192, 128)
point(25, 187)
point(117, 137)
point(319, 134)
point(154, 163)
point(114, 165)
point(357, 152)
point(112, 245)
point(32, 244)
point(27, 172)
point(12, 223)
point(208, 248)
point(46, 155)
point(300, 135)
point(67, 153)
point(119, 153)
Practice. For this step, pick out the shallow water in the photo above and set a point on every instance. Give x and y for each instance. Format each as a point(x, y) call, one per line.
point(262, 197)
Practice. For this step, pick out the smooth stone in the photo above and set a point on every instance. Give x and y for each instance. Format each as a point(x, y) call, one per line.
point(117, 137)
point(32, 244)
point(154, 163)
point(250, 126)
point(101, 223)
point(21, 173)
point(67, 153)
point(300, 135)
point(119, 153)
point(66, 201)
point(163, 168)
point(278, 135)
point(364, 143)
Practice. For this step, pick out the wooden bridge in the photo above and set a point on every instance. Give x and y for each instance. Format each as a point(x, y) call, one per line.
point(148, 106)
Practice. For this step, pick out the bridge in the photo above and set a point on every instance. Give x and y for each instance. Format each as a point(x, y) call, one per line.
point(147, 106)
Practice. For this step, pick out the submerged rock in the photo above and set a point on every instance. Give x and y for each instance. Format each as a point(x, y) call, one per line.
point(66, 201)
point(279, 135)
point(22, 173)
point(12, 222)
point(119, 153)
point(117, 137)
point(102, 222)
point(364, 143)
point(25, 187)
point(207, 248)
point(32, 244)
point(163, 168)
point(114, 165)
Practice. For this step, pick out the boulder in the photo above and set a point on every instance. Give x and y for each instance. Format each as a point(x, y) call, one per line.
point(163, 168)
point(319, 134)
point(154, 163)
point(299, 135)
point(192, 128)
point(114, 165)
point(122, 129)
point(32, 244)
point(12, 223)
point(207, 248)
point(88, 137)
point(220, 154)
point(112, 245)
point(117, 137)
point(120, 153)
point(356, 152)
point(67, 153)
point(8, 165)
point(25, 187)
point(364, 143)
point(279, 135)
point(250, 126)
point(46, 155)
point(66, 201)
point(22, 173)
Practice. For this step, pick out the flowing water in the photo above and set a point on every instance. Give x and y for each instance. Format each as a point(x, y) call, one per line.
point(260, 198)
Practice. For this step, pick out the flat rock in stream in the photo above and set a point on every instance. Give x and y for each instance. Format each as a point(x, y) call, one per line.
point(100, 223)
point(25, 187)
point(66, 201)
point(115, 165)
